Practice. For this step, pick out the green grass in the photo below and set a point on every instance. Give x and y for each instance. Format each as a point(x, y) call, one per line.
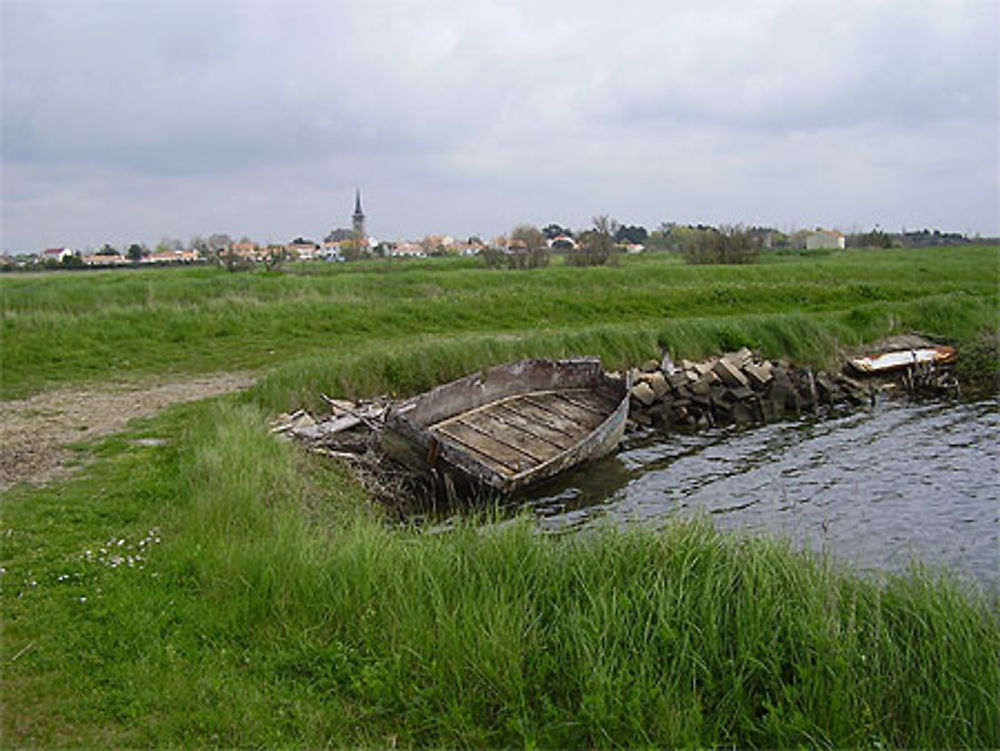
point(272, 605)
point(277, 611)
point(108, 325)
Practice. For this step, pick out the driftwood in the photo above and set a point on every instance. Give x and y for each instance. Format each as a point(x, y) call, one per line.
point(349, 434)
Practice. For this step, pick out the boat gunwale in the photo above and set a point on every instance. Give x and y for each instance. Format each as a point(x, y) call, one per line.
point(582, 373)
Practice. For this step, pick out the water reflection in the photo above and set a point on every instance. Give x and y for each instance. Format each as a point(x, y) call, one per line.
point(874, 487)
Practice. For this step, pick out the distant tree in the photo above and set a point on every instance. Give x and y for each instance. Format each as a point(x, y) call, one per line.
point(339, 235)
point(136, 252)
point(169, 244)
point(657, 240)
point(219, 242)
point(274, 257)
point(232, 261)
point(108, 250)
point(528, 249)
point(527, 236)
point(878, 238)
point(200, 245)
point(495, 257)
point(770, 237)
point(635, 235)
point(71, 261)
point(552, 231)
point(729, 244)
point(597, 245)
point(350, 249)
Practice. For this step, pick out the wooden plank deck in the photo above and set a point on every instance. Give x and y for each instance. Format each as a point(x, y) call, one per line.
point(516, 434)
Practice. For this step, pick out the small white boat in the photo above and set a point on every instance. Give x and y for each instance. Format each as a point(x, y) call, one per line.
point(890, 361)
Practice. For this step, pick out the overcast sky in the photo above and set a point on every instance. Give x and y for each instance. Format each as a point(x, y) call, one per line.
point(131, 121)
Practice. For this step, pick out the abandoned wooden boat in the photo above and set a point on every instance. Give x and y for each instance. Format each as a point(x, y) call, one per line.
point(511, 426)
point(891, 361)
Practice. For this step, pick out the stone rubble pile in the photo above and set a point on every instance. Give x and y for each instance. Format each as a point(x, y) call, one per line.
point(738, 387)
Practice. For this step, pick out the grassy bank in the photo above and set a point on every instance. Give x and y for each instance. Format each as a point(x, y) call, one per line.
point(99, 325)
point(272, 609)
point(222, 589)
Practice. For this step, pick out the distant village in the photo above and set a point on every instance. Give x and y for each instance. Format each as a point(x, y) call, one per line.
point(343, 244)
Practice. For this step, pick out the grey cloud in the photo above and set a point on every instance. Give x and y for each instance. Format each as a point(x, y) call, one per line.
point(460, 114)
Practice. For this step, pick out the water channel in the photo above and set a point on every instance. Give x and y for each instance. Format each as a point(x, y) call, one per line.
point(873, 488)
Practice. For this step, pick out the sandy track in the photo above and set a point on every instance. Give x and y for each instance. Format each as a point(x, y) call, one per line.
point(34, 432)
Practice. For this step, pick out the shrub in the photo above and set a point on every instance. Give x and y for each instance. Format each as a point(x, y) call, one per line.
point(727, 244)
point(527, 251)
point(597, 246)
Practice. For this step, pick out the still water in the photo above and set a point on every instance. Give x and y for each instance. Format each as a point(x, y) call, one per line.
point(873, 488)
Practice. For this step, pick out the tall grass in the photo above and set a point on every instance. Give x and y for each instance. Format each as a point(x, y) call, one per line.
point(271, 605)
point(400, 369)
point(277, 611)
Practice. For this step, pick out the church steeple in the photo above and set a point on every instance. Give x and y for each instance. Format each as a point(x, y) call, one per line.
point(358, 218)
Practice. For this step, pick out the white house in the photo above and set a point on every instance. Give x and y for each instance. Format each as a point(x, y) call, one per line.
point(410, 249)
point(57, 254)
point(823, 238)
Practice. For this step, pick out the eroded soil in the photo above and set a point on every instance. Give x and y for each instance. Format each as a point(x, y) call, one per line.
point(35, 432)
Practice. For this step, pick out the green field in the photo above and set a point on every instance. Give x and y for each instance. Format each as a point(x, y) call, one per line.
point(109, 325)
point(272, 605)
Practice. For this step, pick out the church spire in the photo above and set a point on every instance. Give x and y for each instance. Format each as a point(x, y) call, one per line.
point(358, 218)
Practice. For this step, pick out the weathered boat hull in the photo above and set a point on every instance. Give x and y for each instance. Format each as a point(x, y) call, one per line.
point(511, 426)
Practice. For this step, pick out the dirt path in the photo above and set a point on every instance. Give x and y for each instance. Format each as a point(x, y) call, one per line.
point(34, 432)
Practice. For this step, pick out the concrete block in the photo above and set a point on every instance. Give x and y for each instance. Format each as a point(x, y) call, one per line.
point(759, 375)
point(644, 394)
point(677, 379)
point(658, 382)
point(701, 368)
point(744, 356)
point(730, 374)
point(701, 387)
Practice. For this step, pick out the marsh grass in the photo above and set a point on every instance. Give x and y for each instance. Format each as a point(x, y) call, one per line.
point(407, 368)
point(88, 326)
point(223, 589)
point(278, 610)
